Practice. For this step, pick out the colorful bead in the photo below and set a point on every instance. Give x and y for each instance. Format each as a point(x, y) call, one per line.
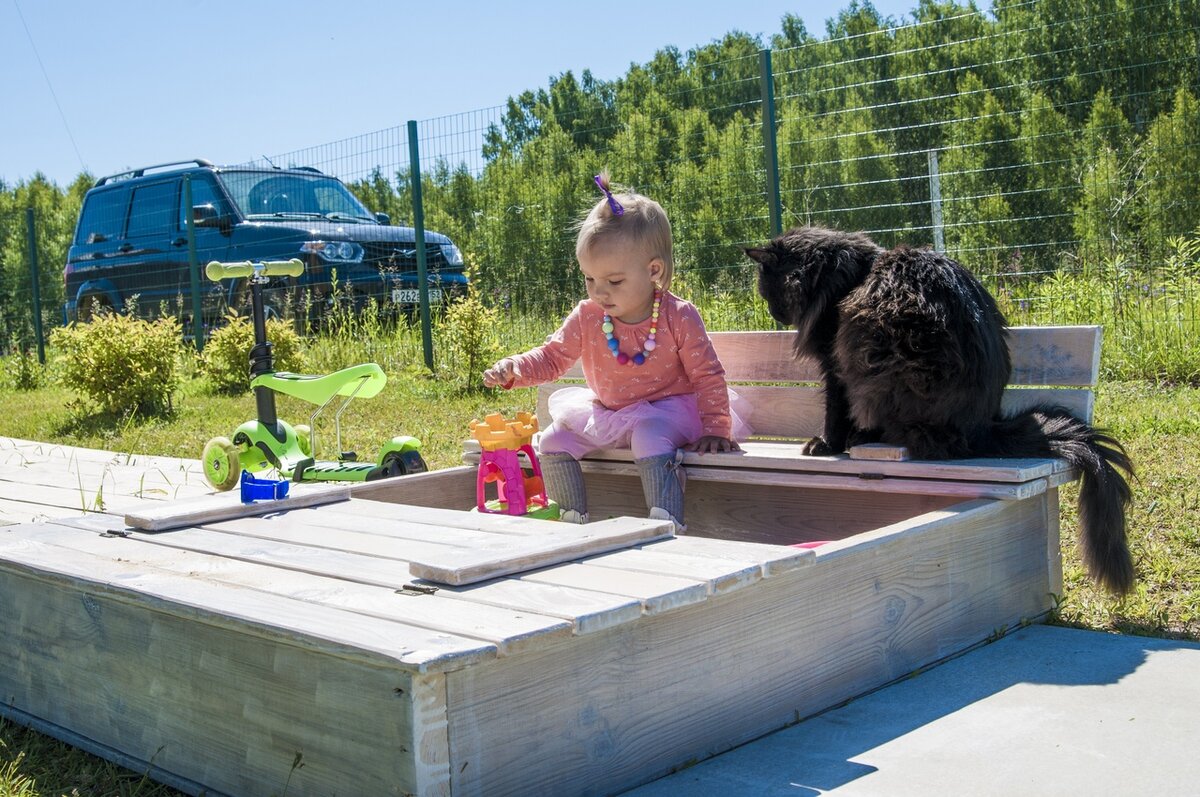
point(615, 347)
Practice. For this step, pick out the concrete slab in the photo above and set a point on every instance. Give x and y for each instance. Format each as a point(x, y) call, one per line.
point(1045, 710)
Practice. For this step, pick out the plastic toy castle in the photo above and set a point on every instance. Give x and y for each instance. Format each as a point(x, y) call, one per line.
point(519, 491)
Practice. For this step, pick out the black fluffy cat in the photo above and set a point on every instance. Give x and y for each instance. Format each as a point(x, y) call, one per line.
point(913, 352)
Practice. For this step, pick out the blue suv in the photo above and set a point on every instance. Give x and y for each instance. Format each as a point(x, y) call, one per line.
point(131, 241)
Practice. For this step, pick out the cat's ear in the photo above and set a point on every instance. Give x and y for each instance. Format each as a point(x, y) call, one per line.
point(764, 257)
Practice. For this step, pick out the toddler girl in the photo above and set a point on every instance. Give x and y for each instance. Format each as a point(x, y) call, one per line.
point(654, 383)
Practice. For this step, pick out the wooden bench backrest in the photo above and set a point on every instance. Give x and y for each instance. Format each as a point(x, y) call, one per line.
point(1055, 365)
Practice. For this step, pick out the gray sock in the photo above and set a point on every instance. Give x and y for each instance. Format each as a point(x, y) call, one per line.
point(564, 482)
point(662, 483)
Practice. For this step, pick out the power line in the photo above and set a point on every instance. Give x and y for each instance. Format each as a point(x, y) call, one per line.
point(49, 85)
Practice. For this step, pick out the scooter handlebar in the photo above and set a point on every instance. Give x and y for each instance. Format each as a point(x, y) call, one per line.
point(216, 270)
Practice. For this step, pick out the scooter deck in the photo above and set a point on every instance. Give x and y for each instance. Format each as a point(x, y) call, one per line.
point(335, 472)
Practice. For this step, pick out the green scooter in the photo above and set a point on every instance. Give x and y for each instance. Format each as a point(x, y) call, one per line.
point(268, 443)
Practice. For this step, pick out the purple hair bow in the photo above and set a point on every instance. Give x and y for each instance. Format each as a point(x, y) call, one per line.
point(617, 208)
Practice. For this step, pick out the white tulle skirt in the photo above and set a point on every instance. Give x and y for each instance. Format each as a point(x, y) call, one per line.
point(581, 424)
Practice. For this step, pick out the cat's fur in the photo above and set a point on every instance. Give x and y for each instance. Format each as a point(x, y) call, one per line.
point(914, 352)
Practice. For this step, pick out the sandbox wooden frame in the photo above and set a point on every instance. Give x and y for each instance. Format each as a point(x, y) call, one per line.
point(213, 654)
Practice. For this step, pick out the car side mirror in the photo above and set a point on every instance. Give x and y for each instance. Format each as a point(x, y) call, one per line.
point(207, 216)
point(383, 218)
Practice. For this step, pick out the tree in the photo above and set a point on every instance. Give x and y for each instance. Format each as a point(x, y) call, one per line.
point(1042, 206)
point(1102, 217)
point(1169, 205)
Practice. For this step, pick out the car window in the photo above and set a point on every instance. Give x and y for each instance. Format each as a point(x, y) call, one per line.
point(152, 211)
point(203, 193)
point(103, 216)
point(290, 194)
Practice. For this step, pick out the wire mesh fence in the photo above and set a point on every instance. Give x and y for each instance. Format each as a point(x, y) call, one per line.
point(1053, 149)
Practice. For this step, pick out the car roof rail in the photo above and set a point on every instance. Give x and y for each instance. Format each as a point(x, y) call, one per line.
point(307, 169)
point(130, 174)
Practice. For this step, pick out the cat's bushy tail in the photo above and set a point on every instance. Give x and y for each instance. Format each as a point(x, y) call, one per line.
point(1104, 492)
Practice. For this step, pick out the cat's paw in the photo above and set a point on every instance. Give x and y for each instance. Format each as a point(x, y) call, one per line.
point(817, 447)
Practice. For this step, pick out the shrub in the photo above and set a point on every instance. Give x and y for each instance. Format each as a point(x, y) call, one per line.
point(25, 372)
point(123, 364)
point(226, 360)
point(470, 339)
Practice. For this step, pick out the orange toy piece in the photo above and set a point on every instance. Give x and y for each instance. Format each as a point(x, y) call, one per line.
point(503, 440)
point(497, 432)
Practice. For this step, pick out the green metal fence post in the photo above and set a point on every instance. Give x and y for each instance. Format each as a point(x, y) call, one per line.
point(35, 291)
point(414, 158)
point(770, 155)
point(193, 266)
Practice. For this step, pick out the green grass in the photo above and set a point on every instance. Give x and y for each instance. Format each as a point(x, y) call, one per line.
point(34, 765)
point(1161, 430)
point(1159, 425)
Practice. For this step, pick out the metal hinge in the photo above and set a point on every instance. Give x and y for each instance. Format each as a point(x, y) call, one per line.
point(416, 589)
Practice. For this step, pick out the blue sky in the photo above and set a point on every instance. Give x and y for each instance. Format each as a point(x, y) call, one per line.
point(141, 82)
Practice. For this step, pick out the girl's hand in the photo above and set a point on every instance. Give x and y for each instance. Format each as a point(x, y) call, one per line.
point(502, 374)
point(711, 444)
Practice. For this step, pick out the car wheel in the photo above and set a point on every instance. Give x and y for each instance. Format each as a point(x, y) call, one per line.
point(90, 306)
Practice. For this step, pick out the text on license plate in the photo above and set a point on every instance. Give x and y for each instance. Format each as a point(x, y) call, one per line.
point(412, 295)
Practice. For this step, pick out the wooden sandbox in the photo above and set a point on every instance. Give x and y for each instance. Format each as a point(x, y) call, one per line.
point(220, 655)
point(295, 651)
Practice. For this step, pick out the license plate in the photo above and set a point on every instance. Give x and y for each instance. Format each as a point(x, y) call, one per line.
point(412, 295)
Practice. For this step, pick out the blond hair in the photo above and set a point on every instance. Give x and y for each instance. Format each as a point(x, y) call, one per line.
point(643, 223)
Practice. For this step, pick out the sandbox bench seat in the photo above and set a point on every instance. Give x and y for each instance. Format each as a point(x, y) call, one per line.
point(1053, 364)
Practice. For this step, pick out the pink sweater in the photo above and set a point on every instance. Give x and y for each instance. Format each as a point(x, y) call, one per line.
point(682, 362)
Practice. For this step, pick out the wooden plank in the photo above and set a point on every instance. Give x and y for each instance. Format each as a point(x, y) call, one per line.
point(720, 575)
point(458, 518)
point(786, 456)
point(362, 568)
point(873, 483)
point(114, 479)
point(381, 539)
point(18, 450)
point(761, 455)
point(1055, 355)
point(400, 539)
point(449, 488)
point(798, 412)
point(879, 451)
point(869, 483)
point(430, 736)
point(326, 628)
point(762, 513)
point(589, 611)
point(458, 567)
point(210, 700)
point(774, 560)
point(13, 512)
point(658, 593)
point(223, 506)
point(509, 630)
point(453, 559)
point(60, 501)
point(710, 677)
point(1051, 355)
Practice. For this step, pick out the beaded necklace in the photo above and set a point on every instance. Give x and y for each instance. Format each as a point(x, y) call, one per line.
point(615, 347)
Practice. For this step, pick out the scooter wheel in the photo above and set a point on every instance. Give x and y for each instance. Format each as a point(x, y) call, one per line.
point(221, 463)
point(402, 463)
point(304, 438)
